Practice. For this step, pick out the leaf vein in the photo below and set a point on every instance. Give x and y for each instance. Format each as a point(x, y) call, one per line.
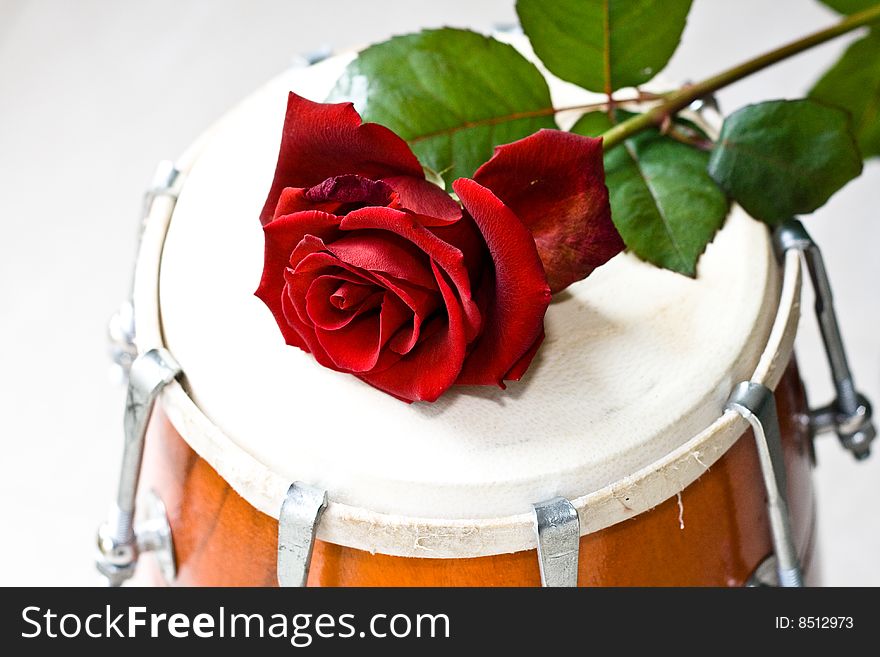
point(667, 227)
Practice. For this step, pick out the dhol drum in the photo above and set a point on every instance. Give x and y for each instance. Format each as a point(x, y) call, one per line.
point(617, 460)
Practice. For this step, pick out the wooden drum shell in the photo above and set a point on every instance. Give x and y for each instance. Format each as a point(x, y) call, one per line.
point(714, 534)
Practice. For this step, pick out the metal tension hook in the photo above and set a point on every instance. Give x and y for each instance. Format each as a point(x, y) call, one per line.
point(120, 542)
point(849, 415)
point(301, 511)
point(558, 530)
point(756, 404)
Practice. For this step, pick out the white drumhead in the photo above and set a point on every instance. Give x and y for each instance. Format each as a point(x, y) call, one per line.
point(636, 363)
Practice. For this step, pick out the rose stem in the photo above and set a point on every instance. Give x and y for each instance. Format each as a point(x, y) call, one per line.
point(677, 100)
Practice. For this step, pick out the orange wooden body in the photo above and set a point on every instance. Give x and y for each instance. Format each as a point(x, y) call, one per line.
point(220, 540)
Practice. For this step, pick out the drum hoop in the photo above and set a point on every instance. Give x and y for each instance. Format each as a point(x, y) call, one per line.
point(408, 536)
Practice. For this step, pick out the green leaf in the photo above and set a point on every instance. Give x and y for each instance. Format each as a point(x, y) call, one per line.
point(663, 202)
point(853, 84)
point(604, 45)
point(452, 94)
point(849, 6)
point(784, 157)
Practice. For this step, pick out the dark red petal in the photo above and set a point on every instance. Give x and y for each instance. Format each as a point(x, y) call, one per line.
point(381, 251)
point(422, 302)
point(296, 287)
point(305, 332)
point(380, 258)
point(301, 280)
point(351, 188)
point(448, 257)
point(519, 369)
point(324, 313)
point(406, 338)
point(293, 199)
point(334, 195)
point(555, 183)
point(433, 366)
point(353, 348)
point(308, 246)
point(350, 295)
point(515, 297)
point(320, 262)
point(424, 198)
point(357, 347)
point(281, 238)
point(466, 237)
point(308, 261)
point(323, 140)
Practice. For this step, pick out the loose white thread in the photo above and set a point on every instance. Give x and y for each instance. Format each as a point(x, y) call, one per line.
point(680, 512)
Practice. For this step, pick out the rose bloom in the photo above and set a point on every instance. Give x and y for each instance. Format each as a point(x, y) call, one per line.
point(380, 273)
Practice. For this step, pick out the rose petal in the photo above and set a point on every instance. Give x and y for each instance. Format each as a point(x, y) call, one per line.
point(350, 295)
point(358, 346)
point(381, 251)
point(300, 281)
point(555, 183)
point(310, 260)
point(311, 245)
point(466, 237)
point(319, 263)
point(323, 140)
point(305, 333)
point(293, 199)
point(351, 188)
point(427, 372)
point(519, 368)
point(446, 255)
point(324, 313)
point(425, 199)
point(422, 302)
point(281, 238)
point(336, 195)
point(514, 299)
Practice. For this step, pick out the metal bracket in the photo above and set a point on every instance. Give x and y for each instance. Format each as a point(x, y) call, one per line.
point(120, 328)
point(153, 533)
point(164, 183)
point(765, 574)
point(506, 29)
point(849, 415)
point(312, 57)
point(558, 530)
point(120, 336)
point(119, 541)
point(297, 526)
point(756, 404)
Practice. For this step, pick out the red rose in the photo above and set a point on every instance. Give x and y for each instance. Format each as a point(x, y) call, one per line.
point(377, 272)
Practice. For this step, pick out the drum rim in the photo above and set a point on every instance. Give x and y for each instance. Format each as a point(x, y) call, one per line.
point(409, 536)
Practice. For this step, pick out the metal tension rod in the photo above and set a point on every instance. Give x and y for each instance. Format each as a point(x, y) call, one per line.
point(119, 543)
point(756, 404)
point(558, 530)
point(849, 415)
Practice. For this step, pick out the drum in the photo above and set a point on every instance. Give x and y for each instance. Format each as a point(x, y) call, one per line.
point(622, 413)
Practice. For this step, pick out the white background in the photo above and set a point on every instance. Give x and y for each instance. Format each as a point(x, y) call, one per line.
point(94, 92)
